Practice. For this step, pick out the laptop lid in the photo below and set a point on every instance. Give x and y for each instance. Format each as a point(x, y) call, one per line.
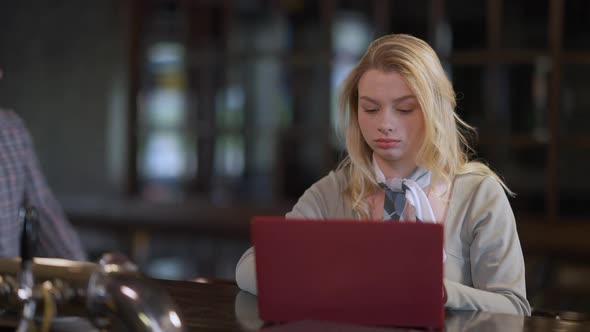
point(364, 272)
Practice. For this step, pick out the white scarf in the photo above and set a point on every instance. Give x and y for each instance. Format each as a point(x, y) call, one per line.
point(414, 189)
point(415, 184)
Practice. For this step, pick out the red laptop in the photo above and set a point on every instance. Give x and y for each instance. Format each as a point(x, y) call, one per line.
point(362, 272)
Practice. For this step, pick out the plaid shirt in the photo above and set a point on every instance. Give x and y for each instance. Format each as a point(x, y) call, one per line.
point(21, 178)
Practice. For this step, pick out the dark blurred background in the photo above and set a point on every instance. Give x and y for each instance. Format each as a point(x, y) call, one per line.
point(164, 125)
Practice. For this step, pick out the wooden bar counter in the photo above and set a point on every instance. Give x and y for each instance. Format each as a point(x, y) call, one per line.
point(223, 307)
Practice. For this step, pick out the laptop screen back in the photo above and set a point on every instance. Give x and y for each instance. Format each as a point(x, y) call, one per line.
point(377, 273)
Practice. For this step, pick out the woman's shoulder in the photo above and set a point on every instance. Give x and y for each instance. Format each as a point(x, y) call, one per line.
point(334, 181)
point(323, 199)
point(475, 180)
point(472, 184)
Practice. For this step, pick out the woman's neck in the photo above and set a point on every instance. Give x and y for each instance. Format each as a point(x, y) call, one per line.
point(396, 169)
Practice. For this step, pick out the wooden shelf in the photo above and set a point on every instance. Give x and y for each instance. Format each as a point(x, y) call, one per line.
point(563, 237)
point(513, 56)
point(519, 141)
point(487, 57)
point(581, 141)
point(575, 57)
point(293, 58)
point(196, 215)
point(515, 141)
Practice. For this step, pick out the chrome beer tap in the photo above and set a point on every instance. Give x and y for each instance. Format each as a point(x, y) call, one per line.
point(112, 291)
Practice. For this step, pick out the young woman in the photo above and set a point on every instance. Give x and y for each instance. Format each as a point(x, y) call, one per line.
point(408, 160)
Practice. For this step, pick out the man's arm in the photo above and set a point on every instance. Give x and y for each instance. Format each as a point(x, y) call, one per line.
point(57, 237)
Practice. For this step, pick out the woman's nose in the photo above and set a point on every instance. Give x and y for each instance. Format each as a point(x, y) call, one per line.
point(385, 122)
point(385, 130)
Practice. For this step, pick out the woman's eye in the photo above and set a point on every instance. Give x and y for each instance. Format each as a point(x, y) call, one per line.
point(408, 110)
point(371, 110)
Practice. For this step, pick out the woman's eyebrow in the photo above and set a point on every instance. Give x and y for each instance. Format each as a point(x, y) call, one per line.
point(395, 101)
point(403, 98)
point(371, 100)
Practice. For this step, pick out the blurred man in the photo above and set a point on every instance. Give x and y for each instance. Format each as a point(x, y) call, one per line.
point(21, 181)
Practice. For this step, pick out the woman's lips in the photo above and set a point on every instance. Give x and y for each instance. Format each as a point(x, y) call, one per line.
point(386, 143)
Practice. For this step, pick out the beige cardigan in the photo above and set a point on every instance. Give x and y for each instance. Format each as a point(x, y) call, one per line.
point(484, 269)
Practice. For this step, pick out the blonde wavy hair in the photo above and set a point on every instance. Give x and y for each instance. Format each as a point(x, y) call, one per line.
point(445, 150)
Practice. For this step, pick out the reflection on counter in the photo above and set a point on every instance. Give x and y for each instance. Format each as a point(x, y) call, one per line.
point(246, 310)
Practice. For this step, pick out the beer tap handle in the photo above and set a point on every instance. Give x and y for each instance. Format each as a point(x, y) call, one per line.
point(30, 233)
point(29, 237)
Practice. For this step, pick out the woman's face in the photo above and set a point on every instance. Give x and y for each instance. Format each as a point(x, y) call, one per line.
point(390, 120)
